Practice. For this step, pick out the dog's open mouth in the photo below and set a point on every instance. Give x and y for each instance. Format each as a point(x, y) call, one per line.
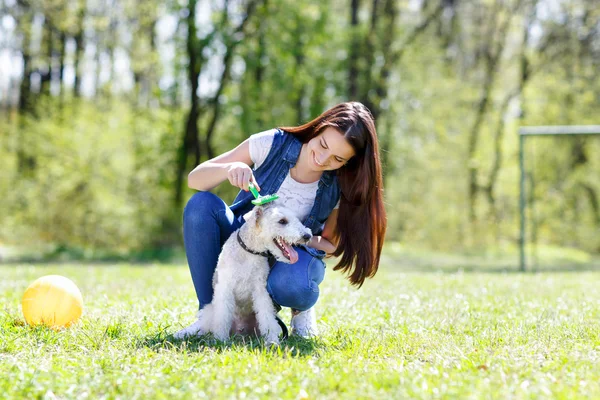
point(287, 249)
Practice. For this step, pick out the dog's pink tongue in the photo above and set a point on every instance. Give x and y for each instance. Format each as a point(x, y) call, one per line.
point(293, 253)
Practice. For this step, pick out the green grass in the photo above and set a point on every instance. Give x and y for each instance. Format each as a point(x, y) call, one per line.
point(406, 334)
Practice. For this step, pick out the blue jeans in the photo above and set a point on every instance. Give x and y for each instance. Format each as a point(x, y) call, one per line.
point(208, 222)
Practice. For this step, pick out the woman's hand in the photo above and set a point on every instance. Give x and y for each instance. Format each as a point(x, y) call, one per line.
point(239, 174)
point(320, 243)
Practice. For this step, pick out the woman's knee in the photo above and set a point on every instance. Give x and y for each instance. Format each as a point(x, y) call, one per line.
point(298, 297)
point(316, 273)
point(306, 300)
point(200, 206)
point(297, 285)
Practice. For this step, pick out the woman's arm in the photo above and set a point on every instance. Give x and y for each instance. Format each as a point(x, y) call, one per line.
point(233, 165)
point(320, 243)
point(327, 241)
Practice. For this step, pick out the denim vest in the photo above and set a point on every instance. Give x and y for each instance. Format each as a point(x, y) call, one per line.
point(272, 172)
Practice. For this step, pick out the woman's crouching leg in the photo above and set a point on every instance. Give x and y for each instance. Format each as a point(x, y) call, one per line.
point(296, 285)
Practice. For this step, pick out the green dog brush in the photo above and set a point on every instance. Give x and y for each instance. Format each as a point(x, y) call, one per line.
point(261, 200)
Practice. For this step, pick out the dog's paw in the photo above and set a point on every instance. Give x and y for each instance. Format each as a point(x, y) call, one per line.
point(272, 341)
point(272, 331)
point(195, 329)
point(222, 336)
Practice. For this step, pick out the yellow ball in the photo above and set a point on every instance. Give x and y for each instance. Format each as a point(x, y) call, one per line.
point(52, 300)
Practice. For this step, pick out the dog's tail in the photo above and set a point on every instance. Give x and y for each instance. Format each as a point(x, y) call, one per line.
point(284, 329)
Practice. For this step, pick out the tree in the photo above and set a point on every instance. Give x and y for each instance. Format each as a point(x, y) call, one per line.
point(231, 38)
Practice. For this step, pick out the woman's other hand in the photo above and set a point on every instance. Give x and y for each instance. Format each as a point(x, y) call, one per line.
point(320, 243)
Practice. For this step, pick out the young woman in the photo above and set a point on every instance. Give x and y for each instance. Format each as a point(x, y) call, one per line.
point(328, 171)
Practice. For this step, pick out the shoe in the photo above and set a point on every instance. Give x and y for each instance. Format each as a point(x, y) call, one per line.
point(192, 330)
point(304, 323)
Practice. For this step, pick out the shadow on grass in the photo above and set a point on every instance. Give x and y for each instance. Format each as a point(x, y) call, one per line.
point(293, 346)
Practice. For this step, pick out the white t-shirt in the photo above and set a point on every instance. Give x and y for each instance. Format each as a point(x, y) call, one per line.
point(297, 196)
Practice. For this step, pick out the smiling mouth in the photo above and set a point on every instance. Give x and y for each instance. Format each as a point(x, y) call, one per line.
point(315, 160)
point(286, 249)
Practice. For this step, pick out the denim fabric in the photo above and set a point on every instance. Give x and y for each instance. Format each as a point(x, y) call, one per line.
point(270, 175)
point(296, 285)
point(208, 222)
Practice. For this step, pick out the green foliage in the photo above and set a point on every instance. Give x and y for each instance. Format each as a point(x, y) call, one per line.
point(97, 176)
point(102, 180)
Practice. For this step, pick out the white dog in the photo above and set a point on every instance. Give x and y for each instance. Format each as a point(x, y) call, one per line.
point(240, 279)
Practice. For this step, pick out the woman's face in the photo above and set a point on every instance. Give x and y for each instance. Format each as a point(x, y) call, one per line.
point(329, 150)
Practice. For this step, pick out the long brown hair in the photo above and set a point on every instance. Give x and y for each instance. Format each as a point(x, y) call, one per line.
point(361, 221)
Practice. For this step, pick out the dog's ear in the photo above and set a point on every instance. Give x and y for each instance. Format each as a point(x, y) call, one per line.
point(258, 214)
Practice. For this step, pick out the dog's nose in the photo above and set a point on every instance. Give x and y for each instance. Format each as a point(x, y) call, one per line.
point(306, 236)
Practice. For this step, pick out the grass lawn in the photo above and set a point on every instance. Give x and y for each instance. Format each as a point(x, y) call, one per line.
point(409, 333)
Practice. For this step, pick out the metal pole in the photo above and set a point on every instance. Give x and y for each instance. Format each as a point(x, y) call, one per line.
point(522, 202)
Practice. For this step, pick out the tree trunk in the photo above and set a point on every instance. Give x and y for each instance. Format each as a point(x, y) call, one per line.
point(593, 198)
point(492, 54)
point(79, 47)
point(25, 86)
point(26, 162)
point(190, 143)
point(353, 54)
point(524, 76)
point(300, 87)
point(225, 76)
point(61, 69)
point(152, 75)
point(48, 47)
point(392, 57)
point(368, 52)
point(259, 75)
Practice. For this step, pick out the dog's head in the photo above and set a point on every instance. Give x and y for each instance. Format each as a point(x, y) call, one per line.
point(279, 229)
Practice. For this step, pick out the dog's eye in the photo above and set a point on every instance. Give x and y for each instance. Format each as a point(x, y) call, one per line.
point(283, 221)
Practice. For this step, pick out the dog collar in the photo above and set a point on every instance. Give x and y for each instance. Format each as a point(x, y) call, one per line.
point(241, 242)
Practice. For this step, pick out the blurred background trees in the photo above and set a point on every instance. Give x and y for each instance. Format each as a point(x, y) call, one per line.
point(105, 106)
